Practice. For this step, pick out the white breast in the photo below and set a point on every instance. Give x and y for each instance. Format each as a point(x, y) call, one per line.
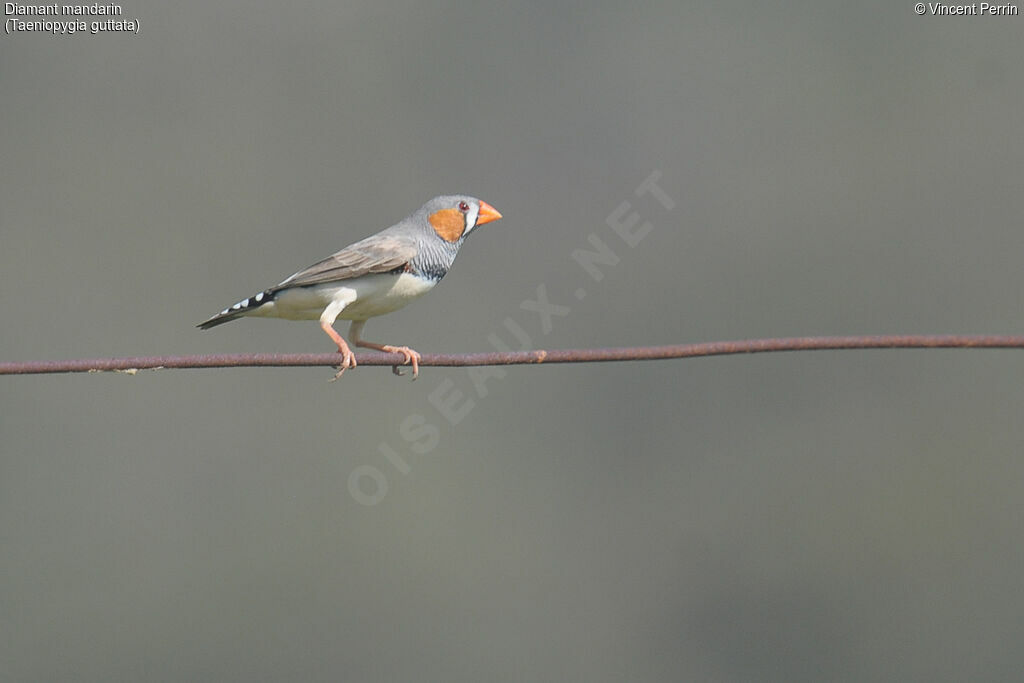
point(382, 294)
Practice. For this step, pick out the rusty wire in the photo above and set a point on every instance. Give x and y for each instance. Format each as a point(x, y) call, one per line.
point(724, 348)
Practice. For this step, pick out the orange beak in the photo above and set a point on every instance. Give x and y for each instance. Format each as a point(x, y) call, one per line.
point(487, 214)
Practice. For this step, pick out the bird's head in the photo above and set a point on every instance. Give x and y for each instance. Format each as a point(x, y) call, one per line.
point(454, 216)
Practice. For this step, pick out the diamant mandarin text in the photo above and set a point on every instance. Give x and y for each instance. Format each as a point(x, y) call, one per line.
point(95, 9)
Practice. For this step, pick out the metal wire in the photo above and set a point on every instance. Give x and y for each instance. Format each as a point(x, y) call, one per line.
point(723, 348)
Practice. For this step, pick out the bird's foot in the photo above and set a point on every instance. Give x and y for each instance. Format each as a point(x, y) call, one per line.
point(411, 358)
point(348, 360)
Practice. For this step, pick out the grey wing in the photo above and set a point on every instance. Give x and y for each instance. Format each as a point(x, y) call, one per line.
point(376, 254)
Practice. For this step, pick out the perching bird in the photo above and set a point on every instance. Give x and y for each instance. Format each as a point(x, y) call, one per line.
point(374, 276)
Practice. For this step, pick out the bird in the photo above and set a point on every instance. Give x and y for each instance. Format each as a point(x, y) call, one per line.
point(371, 277)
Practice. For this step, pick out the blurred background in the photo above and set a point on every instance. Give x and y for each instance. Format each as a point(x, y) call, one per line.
point(844, 169)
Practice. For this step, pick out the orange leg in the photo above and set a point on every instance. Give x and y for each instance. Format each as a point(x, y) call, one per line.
point(411, 357)
point(348, 359)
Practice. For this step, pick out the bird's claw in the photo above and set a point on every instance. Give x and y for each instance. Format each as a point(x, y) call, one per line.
point(411, 358)
point(348, 360)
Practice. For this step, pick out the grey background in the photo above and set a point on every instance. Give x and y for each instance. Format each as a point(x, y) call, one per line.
point(837, 168)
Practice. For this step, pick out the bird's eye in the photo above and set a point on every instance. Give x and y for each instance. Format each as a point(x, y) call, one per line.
point(463, 207)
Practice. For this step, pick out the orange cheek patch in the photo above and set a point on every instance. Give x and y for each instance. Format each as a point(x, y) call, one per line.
point(449, 224)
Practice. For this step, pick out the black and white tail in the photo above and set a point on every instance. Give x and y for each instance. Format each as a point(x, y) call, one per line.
point(239, 310)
